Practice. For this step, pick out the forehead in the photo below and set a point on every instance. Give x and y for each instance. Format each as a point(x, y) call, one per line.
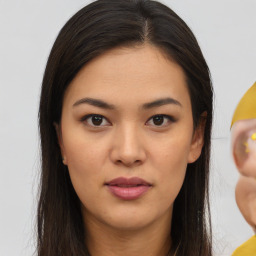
point(140, 72)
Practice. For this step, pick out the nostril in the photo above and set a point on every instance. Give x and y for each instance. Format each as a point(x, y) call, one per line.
point(128, 163)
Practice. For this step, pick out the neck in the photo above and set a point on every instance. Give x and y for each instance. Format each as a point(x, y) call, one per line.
point(102, 240)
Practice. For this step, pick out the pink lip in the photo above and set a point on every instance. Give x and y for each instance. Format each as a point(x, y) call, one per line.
point(128, 189)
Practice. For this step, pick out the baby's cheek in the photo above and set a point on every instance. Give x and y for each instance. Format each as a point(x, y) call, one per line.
point(245, 155)
point(244, 148)
point(251, 142)
point(249, 167)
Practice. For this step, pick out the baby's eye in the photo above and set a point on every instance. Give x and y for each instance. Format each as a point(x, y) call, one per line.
point(160, 120)
point(95, 120)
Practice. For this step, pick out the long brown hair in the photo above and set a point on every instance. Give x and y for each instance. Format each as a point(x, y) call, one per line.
point(98, 27)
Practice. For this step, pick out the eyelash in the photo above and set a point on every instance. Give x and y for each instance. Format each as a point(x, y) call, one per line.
point(84, 119)
point(171, 119)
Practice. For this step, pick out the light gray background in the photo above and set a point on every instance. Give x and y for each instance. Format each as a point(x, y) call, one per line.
point(226, 31)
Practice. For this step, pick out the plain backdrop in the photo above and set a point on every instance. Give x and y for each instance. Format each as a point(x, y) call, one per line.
point(226, 31)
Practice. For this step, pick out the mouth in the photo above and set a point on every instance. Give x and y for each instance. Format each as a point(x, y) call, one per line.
point(128, 188)
point(128, 182)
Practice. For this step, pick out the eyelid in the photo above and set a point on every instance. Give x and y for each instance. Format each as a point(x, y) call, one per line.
point(84, 118)
point(170, 118)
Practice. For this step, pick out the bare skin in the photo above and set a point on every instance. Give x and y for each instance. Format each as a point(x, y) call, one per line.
point(244, 146)
point(244, 153)
point(151, 241)
point(246, 199)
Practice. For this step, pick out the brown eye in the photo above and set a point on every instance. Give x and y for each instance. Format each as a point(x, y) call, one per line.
point(160, 120)
point(95, 120)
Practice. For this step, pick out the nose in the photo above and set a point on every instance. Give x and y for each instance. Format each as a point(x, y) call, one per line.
point(128, 147)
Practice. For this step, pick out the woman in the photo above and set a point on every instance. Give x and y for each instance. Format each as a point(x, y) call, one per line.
point(125, 122)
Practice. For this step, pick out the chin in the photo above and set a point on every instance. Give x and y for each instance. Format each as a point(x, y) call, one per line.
point(129, 223)
point(135, 218)
point(128, 218)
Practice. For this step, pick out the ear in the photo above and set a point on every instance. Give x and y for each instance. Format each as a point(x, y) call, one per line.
point(197, 142)
point(60, 141)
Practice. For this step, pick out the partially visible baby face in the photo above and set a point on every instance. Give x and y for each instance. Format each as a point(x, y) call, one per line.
point(244, 146)
point(244, 154)
point(243, 135)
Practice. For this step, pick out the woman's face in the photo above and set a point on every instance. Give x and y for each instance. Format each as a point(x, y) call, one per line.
point(126, 135)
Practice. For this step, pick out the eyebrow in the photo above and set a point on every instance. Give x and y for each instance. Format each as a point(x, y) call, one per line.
point(161, 102)
point(94, 102)
point(104, 105)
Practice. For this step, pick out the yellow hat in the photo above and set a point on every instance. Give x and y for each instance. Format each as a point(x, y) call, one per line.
point(246, 108)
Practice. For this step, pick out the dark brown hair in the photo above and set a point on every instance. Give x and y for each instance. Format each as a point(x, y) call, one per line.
point(98, 27)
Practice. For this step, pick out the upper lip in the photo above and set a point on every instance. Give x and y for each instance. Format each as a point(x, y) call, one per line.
point(122, 181)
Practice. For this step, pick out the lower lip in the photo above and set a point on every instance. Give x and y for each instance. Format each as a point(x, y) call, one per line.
point(128, 193)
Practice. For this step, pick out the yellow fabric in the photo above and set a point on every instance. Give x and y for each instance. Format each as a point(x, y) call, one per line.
point(246, 249)
point(246, 108)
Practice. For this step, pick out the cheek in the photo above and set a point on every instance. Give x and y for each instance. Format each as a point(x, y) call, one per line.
point(173, 170)
point(171, 164)
point(172, 153)
point(85, 168)
point(84, 160)
point(83, 151)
